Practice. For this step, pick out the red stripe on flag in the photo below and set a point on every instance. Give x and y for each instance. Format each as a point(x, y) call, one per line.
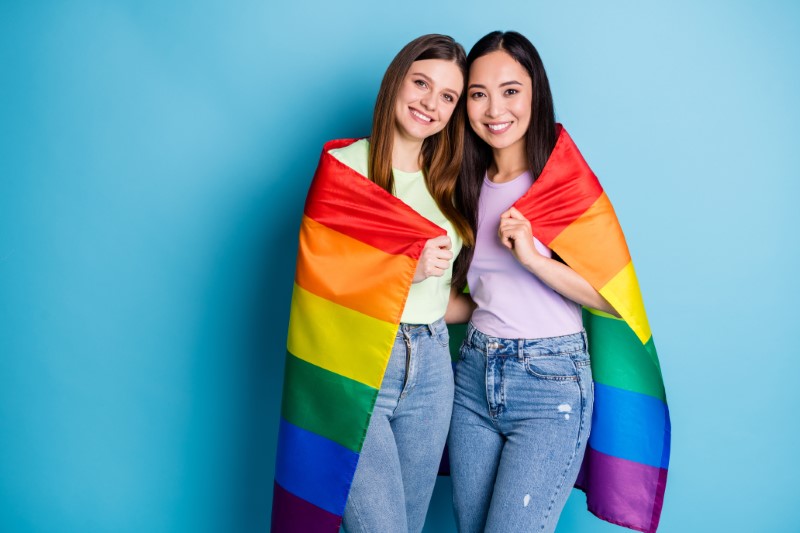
point(564, 190)
point(344, 200)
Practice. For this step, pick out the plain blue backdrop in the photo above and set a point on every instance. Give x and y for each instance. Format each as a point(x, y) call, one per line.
point(154, 158)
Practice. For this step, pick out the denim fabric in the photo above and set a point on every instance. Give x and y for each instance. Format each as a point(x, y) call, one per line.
point(400, 458)
point(521, 419)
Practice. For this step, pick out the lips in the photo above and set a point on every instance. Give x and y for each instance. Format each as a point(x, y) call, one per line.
point(420, 117)
point(498, 127)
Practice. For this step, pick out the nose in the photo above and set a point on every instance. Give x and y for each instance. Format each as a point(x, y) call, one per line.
point(494, 109)
point(428, 101)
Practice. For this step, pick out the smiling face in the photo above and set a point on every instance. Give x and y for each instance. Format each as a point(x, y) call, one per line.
point(427, 98)
point(499, 100)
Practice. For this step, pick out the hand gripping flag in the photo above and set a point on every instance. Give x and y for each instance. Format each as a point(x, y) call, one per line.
point(358, 251)
point(624, 471)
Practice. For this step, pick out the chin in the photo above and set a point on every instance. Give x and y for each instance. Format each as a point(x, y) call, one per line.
point(499, 143)
point(420, 134)
point(493, 143)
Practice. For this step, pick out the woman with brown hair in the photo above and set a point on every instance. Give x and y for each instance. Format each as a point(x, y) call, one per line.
point(414, 152)
point(377, 244)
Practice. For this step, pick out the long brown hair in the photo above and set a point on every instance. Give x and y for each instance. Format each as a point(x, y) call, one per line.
point(442, 152)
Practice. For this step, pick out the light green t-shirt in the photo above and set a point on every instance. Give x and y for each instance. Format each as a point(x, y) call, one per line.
point(427, 300)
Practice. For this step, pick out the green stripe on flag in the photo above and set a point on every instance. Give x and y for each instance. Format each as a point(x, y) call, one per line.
point(620, 359)
point(326, 403)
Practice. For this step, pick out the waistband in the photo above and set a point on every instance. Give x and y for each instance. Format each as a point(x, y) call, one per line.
point(562, 344)
point(434, 328)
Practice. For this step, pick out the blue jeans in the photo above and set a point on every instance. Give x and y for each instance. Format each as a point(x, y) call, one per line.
point(521, 419)
point(399, 462)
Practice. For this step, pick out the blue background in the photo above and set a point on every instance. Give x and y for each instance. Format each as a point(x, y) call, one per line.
point(154, 159)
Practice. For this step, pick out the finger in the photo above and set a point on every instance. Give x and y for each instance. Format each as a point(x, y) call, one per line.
point(509, 223)
point(438, 272)
point(434, 269)
point(442, 241)
point(513, 212)
point(515, 233)
point(440, 264)
point(501, 232)
point(510, 229)
point(517, 227)
point(437, 253)
point(518, 234)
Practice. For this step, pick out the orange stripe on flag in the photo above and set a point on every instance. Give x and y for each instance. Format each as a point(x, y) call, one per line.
point(336, 267)
point(594, 244)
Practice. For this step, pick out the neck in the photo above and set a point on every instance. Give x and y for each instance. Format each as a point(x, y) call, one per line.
point(508, 162)
point(406, 154)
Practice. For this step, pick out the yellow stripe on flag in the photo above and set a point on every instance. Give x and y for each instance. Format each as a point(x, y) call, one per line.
point(622, 292)
point(339, 339)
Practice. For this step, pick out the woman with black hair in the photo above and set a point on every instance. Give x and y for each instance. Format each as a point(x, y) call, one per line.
point(524, 395)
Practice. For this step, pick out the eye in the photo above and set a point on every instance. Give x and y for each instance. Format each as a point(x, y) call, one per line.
point(421, 83)
point(476, 95)
point(511, 92)
point(448, 97)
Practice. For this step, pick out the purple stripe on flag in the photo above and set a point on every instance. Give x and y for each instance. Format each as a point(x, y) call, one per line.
point(623, 492)
point(291, 514)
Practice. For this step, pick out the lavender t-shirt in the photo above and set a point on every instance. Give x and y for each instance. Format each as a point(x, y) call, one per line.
point(512, 302)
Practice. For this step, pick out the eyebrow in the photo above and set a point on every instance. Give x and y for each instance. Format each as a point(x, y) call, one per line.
point(504, 84)
point(429, 80)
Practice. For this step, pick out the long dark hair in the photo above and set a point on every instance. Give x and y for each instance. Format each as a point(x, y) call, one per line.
point(441, 153)
point(539, 139)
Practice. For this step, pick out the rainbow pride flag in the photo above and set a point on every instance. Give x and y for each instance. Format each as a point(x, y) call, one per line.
point(359, 248)
point(624, 471)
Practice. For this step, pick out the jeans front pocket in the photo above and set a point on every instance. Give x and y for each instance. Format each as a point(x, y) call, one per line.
point(555, 367)
point(443, 337)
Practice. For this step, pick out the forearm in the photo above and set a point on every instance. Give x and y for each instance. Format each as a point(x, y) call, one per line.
point(459, 308)
point(568, 283)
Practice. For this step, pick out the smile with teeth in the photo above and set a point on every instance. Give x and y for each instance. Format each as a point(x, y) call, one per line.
point(498, 128)
point(421, 117)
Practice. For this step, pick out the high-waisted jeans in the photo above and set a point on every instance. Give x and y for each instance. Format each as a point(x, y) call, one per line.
point(400, 458)
point(521, 419)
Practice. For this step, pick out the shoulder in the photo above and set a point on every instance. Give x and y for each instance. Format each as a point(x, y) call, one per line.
point(355, 154)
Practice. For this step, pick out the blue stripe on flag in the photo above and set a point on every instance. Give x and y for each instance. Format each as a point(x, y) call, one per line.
point(630, 425)
point(314, 468)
